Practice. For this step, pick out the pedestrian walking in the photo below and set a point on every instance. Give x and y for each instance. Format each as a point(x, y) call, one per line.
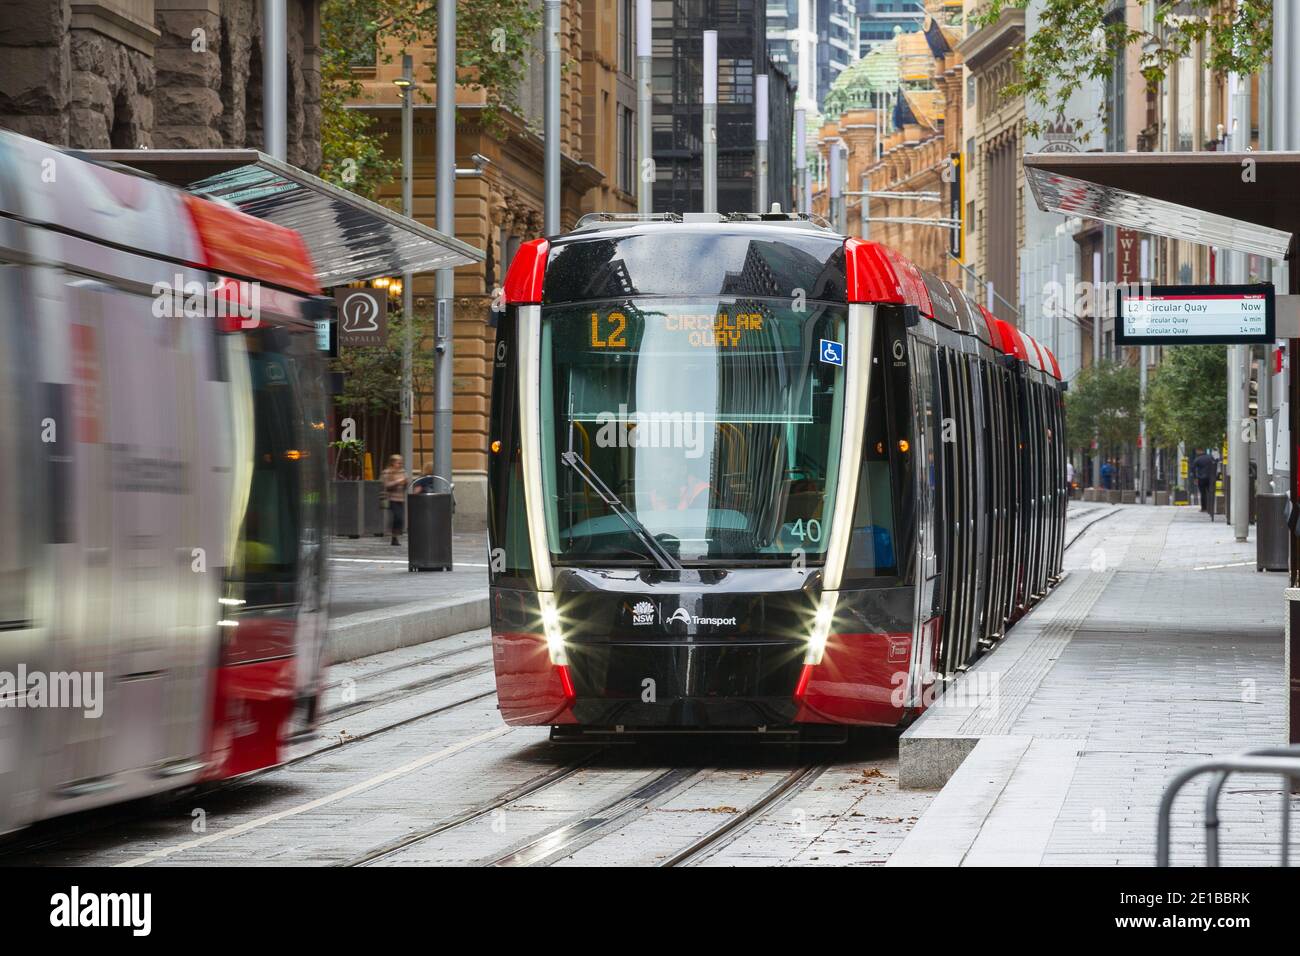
point(1107, 474)
point(394, 481)
point(1069, 478)
point(1206, 470)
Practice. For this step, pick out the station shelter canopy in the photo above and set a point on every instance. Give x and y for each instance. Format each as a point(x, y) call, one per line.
point(1247, 202)
point(350, 238)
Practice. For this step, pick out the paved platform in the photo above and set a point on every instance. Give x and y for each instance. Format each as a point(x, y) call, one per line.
point(1162, 648)
point(377, 605)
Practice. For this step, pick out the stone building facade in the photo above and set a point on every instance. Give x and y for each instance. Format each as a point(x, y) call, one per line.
point(129, 74)
point(898, 111)
point(995, 175)
point(503, 208)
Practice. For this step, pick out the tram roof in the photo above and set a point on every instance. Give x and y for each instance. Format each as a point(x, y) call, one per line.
point(873, 272)
point(349, 237)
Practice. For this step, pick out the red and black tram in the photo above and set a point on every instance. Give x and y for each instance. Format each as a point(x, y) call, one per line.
point(162, 486)
point(748, 474)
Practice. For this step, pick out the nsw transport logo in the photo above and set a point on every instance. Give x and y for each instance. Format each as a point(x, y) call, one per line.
point(643, 612)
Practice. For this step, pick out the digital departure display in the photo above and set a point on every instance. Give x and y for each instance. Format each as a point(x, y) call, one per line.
point(703, 330)
point(1195, 315)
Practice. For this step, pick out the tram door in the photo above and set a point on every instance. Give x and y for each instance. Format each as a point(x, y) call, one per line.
point(980, 450)
point(928, 506)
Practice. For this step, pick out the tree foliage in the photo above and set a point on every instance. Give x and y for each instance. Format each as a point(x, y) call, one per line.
point(494, 42)
point(372, 382)
point(1104, 400)
point(1078, 41)
point(1187, 397)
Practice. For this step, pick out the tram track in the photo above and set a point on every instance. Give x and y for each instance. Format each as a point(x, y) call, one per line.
point(58, 831)
point(585, 830)
point(1080, 533)
point(796, 780)
point(602, 820)
point(432, 682)
point(527, 788)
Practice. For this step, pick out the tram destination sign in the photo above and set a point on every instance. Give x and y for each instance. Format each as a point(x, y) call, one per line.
point(1195, 314)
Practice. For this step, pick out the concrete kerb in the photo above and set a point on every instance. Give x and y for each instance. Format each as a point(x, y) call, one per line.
point(373, 632)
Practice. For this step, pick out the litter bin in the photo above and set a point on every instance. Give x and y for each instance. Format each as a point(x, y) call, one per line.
point(1272, 537)
point(428, 525)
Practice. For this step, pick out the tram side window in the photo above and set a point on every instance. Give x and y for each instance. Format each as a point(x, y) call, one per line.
point(507, 512)
point(16, 511)
point(871, 547)
point(266, 556)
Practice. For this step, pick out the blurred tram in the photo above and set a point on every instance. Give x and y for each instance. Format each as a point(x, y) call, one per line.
point(747, 474)
point(162, 481)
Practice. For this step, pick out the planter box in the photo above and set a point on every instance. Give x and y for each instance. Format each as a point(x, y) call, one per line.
point(1128, 497)
point(354, 508)
point(1162, 497)
point(1112, 496)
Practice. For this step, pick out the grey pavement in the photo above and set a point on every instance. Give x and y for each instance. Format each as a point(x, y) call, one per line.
point(1162, 648)
point(377, 604)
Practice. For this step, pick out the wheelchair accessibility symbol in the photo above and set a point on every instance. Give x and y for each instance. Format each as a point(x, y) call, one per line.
point(832, 353)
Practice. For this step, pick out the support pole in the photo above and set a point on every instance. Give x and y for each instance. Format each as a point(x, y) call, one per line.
point(645, 168)
point(836, 173)
point(1239, 355)
point(1097, 308)
point(551, 121)
point(760, 140)
point(275, 66)
point(710, 121)
point(445, 209)
point(408, 335)
point(1144, 360)
point(801, 159)
point(865, 206)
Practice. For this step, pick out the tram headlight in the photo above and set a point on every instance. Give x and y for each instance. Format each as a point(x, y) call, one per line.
point(551, 626)
point(821, 627)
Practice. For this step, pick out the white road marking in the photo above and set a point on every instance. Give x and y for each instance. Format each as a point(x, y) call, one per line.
point(343, 794)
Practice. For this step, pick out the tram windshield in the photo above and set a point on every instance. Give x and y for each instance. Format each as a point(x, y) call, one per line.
point(710, 426)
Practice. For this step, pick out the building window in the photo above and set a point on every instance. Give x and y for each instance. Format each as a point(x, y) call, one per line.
point(626, 36)
point(625, 177)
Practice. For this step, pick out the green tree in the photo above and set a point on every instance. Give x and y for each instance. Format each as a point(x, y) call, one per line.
point(494, 41)
point(1077, 41)
point(1104, 400)
point(1187, 397)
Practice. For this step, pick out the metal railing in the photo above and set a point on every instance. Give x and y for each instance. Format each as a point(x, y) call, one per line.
point(1284, 761)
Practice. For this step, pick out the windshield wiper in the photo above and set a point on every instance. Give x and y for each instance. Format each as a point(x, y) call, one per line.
point(615, 504)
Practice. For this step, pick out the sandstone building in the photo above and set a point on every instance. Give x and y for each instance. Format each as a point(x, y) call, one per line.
point(127, 74)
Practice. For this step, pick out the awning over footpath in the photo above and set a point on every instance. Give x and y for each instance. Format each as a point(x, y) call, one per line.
point(350, 238)
point(1248, 202)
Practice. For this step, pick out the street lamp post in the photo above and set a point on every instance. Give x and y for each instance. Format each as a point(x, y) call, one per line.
point(710, 121)
point(760, 139)
point(275, 67)
point(1239, 355)
point(644, 108)
point(405, 86)
point(551, 119)
point(443, 332)
point(801, 159)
